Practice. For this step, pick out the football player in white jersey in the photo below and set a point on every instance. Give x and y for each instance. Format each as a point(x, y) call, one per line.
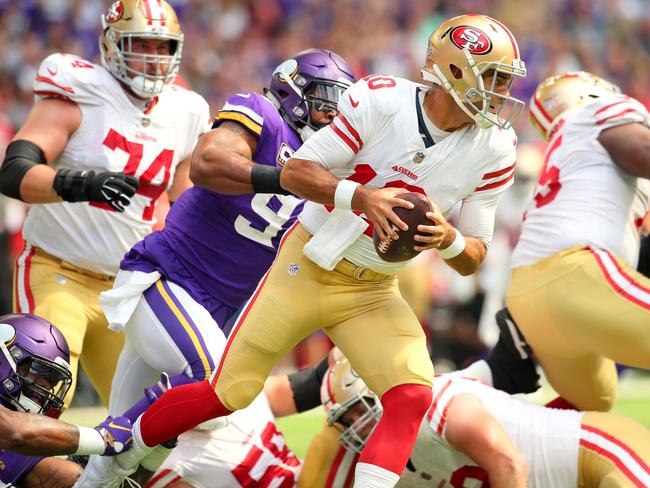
point(99, 147)
point(474, 435)
point(575, 293)
point(451, 141)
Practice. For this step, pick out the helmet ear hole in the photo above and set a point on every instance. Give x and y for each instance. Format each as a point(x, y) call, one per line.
point(456, 71)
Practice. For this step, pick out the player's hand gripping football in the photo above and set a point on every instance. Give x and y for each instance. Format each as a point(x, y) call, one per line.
point(439, 235)
point(378, 205)
point(117, 435)
point(115, 189)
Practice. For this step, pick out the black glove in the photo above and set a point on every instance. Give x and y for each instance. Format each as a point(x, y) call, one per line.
point(115, 189)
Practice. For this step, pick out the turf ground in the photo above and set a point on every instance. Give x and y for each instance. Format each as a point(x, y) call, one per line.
point(634, 401)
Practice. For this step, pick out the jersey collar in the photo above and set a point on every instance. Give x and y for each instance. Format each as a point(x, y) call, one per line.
point(422, 126)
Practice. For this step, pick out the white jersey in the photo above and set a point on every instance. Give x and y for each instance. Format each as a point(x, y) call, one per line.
point(380, 139)
point(582, 197)
point(248, 451)
point(114, 135)
point(548, 439)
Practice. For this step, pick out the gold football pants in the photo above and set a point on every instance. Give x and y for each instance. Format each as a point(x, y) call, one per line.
point(68, 297)
point(581, 310)
point(362, 312)
point(614, 452)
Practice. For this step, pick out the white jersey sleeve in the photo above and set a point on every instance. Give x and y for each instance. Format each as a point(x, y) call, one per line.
point(69, 77)
point(362, 111)
point(619, 110)
point(477, 213)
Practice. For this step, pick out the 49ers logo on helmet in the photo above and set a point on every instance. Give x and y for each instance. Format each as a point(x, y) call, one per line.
point(114, 12)
point(475, 40)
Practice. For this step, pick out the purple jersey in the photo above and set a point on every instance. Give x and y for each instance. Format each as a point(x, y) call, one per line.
point(14, 466)
point(218, 246)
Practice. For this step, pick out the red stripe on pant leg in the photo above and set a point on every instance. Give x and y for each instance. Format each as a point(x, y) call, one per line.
point(620, 444)
point(249, 305)
point(602, 452)
point(28, 289)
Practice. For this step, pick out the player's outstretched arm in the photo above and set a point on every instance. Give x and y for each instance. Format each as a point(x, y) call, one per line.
point(629, 147)
point(222, 160)
point(472, 430)
point(38, 435)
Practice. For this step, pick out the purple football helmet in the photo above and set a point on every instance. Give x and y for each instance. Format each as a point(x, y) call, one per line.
point(312, 78)
point(34, 365)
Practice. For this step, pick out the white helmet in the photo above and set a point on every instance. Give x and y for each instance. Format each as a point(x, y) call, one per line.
point(149, 19)
point(341, 389)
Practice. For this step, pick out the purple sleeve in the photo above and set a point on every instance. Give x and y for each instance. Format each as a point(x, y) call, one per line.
point(14, 466)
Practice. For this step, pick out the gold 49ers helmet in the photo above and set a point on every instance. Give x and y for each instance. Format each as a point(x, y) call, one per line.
point(341, 390)
point(126, 20)
point(465, 49)
point(558, 94)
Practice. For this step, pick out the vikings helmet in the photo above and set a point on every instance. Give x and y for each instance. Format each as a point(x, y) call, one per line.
point(342, 388)
point(312, 78)
point(461, 51)
point(34, 365)
point(558, 94)
point(126, 20)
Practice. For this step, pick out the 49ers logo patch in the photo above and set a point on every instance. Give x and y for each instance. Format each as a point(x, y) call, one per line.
point(114, 12)
point(475, 40)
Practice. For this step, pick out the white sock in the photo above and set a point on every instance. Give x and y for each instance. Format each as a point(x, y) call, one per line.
point(479, 370)
point(371, 476)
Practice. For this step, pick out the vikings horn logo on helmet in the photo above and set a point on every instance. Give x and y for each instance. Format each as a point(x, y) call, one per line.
point(472, 38)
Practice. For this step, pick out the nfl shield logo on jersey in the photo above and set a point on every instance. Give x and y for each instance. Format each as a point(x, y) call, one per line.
point(419, 157)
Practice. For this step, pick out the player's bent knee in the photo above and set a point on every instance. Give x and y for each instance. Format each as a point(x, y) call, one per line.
point(239, 394)
point(412, 398)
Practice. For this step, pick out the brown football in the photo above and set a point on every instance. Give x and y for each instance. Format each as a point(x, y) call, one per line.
point(402, 248)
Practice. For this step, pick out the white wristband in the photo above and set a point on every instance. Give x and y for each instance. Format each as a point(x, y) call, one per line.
point(344, 193)
point(90, 441)
point(455, 248)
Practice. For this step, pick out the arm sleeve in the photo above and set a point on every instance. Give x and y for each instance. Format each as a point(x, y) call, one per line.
point(335, 145)
point(305, 385)
point(613, 111)
point(69, 77)
point(246, 108)
point(478, 210)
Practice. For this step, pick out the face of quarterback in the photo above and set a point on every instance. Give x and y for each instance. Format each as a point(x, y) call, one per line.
point(147, 52)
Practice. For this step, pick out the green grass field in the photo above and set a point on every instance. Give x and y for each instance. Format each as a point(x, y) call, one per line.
point(634, 401)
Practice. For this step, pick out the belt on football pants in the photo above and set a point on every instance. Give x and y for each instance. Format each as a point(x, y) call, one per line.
point(69, 266)
point(359, 273)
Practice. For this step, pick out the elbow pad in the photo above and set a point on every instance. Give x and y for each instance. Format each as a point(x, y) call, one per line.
point(21, 156)
point(305, 385)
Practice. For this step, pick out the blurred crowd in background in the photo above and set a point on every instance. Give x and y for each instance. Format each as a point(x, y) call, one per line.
point(233, 45)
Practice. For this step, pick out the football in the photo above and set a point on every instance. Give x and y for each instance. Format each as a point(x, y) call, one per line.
point(402, 248)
